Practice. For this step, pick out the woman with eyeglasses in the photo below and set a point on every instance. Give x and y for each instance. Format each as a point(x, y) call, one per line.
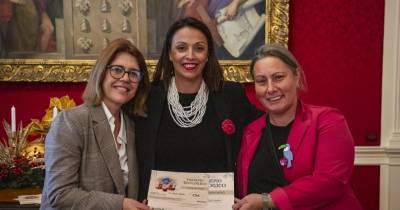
point(90, 150)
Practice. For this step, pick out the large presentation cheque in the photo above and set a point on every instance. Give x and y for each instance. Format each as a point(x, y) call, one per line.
point(178, 190)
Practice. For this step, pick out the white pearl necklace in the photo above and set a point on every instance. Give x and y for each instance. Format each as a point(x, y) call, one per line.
point(188, 116)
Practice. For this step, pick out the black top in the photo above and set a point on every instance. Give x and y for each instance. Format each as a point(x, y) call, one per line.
point(228, 103)
point(265, 171)
point(188, 149)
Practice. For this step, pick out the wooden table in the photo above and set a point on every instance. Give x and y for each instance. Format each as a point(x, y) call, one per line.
point(8, 196)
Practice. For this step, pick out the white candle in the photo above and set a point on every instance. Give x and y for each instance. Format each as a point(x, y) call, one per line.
point(55, 112)
point(13, 121)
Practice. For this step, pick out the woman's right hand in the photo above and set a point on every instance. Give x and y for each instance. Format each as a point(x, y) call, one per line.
point(130, 204)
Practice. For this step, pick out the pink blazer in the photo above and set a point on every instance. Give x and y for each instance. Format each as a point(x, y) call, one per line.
point(323, 156)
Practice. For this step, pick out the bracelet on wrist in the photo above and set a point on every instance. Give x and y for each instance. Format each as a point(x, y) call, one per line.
point(266, 201)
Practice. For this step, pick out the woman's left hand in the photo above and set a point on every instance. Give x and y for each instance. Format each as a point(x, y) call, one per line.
point(231, 10)
point(249, 202)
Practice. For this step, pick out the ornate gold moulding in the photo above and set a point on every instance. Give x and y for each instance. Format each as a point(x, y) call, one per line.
point(38, 70)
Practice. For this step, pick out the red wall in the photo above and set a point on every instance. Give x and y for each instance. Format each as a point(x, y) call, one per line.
point(365, 182)
point(31, 99)
point(339, 44)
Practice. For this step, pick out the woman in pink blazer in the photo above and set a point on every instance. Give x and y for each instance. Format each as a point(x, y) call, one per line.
point(297, 156)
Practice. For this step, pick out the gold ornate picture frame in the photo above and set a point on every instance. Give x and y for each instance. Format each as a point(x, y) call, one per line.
point(66, 70)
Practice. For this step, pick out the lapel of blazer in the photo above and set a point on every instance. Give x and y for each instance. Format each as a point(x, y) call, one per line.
point(105, 141)
point(158, 99)
point(133, 175)
point(223, 112)
point(252, 137)
point(298, 130)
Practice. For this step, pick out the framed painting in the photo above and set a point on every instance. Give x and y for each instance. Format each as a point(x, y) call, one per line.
point(58, 40)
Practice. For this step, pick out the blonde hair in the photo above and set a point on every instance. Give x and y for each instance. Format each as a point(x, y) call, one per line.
point(93, 94)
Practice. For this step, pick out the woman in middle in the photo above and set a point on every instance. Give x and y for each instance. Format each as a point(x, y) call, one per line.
point(195, 118)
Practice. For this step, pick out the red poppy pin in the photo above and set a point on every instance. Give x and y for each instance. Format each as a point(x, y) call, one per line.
point(228, 127)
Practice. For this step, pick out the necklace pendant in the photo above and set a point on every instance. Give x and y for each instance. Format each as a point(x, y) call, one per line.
point(283, 161)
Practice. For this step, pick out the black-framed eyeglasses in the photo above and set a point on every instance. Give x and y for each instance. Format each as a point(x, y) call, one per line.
point(118, 71)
